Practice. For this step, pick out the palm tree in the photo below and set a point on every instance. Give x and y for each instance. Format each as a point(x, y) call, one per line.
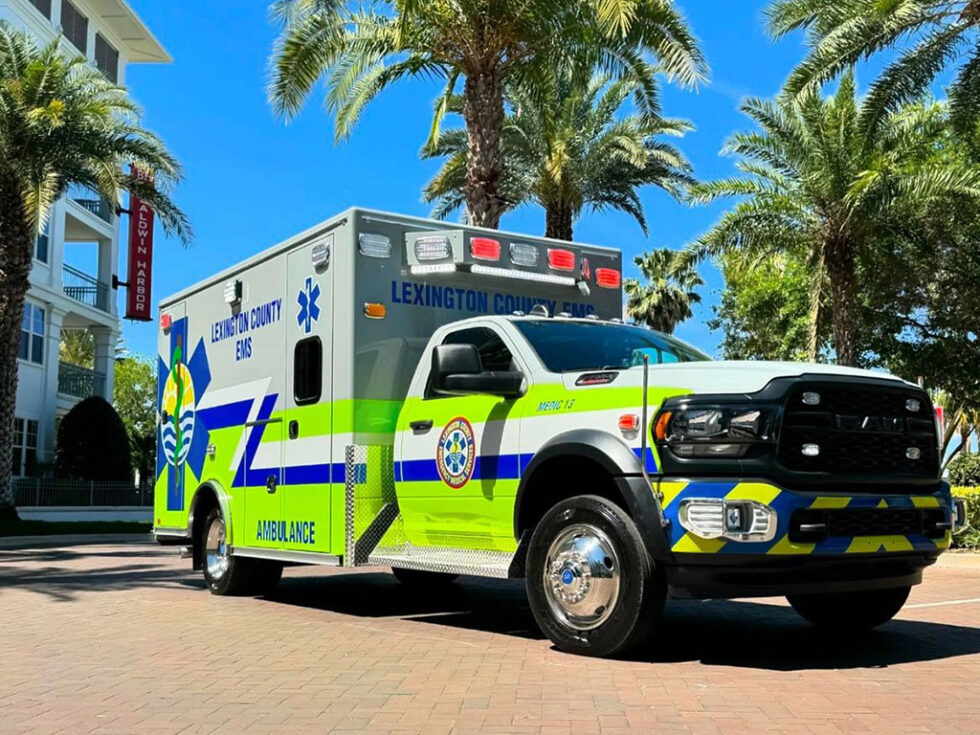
point(935, 36)
point(815, 180)
point(61, 122)
point(485, 45)
point(564, 148)
point(665, 297)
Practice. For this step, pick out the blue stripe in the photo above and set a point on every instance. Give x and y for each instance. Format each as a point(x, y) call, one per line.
point(230, 414)
point(651, 460)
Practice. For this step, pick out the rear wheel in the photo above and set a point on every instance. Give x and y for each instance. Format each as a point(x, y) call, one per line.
point(851, 610)
point(224, 574)
point(419, 578)
point(592, 586)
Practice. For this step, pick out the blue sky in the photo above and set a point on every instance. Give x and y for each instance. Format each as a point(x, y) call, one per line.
point(252, 180)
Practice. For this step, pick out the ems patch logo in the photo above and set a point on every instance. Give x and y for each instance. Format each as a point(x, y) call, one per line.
point(456, 453)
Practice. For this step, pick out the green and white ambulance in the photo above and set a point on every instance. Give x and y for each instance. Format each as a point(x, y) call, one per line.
point(448, 400)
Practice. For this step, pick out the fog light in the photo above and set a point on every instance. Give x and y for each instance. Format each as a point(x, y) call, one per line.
point(735, 520)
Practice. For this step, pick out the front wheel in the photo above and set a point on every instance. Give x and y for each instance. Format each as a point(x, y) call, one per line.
point(851, 610)
point(592, 587)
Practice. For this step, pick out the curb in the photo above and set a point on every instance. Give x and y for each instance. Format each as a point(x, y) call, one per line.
point(76, 539)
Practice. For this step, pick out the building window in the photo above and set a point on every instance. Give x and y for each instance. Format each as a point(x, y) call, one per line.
point(41, 245)
point(25, 447)
point(32, 334)
point(44, 6)
point(75, 26)
point(106, 58)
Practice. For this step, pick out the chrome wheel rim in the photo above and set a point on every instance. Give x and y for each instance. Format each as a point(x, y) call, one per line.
point(216, 550)
point(581, 577)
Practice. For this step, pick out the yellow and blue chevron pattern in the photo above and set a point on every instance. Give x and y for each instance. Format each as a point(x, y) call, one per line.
point(784, 502)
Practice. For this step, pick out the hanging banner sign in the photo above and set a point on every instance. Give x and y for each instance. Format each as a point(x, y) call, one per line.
point(140, 255)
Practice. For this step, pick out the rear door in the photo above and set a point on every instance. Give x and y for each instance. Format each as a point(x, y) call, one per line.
point(308, 398)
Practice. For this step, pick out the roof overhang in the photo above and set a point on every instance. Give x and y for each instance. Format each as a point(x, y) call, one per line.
point(139, 44)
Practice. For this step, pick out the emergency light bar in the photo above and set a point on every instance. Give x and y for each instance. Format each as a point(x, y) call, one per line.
point(492, 271)
point(484, 248)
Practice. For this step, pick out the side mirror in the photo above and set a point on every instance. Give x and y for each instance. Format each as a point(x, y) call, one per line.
point(457, 371)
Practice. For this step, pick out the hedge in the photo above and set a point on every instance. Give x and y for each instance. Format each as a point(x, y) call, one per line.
point(969, 538)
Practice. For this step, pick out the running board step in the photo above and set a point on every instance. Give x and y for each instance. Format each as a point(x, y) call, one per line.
point(475, 562)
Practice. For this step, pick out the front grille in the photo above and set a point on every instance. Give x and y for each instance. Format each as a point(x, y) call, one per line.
point(817, 524)
point(858, 430)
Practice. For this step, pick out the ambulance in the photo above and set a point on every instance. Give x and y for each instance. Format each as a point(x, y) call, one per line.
point(447, 400)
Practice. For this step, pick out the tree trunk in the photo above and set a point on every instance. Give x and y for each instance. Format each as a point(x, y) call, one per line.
point(483, 111)
point(558, 222)
point(15, 265)
point(839, 257)
point(813, 318)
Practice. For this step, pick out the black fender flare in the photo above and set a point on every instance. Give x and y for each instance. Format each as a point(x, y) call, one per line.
point(622, 465)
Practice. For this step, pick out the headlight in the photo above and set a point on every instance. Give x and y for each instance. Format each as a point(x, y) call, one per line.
point(722, 430)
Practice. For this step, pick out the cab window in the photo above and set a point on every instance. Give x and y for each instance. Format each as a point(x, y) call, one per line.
point(494, 354)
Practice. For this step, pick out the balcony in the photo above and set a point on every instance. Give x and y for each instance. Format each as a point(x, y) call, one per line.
point(92, 202)
point(85, 289)
point(79, 382)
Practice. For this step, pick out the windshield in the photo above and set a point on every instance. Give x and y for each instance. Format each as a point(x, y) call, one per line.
point(566, 346)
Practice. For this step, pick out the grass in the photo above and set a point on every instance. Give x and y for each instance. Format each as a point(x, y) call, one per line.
point(11, 527)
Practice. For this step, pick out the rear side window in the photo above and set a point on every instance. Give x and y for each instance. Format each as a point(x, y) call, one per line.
point(307, 371)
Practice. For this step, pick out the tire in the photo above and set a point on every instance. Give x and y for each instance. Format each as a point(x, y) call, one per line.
point(617, 607)
point(419, 578)
point(223, 574)
point(851, 610)
point(265, 576)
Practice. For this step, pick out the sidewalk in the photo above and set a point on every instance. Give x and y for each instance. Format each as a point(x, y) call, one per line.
point(75, 539)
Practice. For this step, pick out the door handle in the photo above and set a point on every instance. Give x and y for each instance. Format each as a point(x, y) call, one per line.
point(420, 427)
point(270, 484)
point(293, 429)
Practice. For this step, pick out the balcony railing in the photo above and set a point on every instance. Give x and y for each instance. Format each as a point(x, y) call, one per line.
point(79, 382)
point(83, 287)
point(90, 200)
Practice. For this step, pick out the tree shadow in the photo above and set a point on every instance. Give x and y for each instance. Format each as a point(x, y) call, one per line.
point(714, 632)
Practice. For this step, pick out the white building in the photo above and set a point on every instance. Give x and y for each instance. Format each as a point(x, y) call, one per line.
point(74, 262)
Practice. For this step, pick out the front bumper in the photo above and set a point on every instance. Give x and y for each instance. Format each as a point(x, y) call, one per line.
point(870, 540)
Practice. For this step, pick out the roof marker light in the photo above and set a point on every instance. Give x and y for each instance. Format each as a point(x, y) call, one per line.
point(524, 254)
point(607, 277)
point(561, 260)
point(432, 247)
point(484, 248)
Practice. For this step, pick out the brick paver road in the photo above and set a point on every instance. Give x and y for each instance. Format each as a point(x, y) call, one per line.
point(124, 639)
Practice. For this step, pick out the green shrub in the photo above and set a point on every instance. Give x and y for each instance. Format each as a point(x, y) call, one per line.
point(92, 444)
point(964, 470)
point(969, 538)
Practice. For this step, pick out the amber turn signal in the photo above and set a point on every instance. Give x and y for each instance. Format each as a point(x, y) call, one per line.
point(375, 311)
point(660, 428)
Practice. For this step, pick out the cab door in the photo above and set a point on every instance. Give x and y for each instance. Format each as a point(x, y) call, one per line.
point(459, 457)
point(308, 398)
